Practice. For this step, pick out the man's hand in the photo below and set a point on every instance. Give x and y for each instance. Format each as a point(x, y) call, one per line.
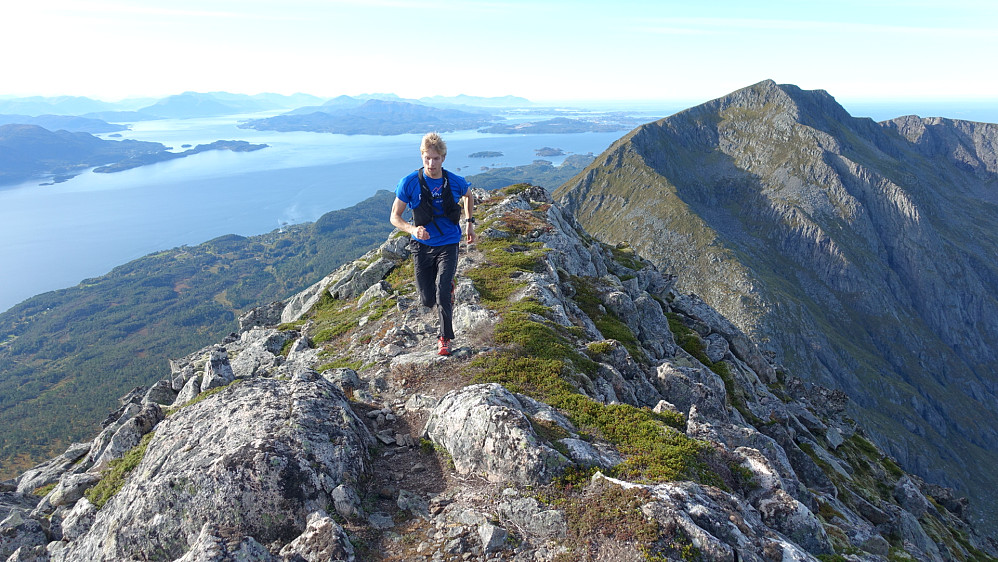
point(471, 233)
point(421, 233)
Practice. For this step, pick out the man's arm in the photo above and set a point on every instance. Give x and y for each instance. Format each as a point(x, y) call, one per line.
point(469, 212)
point(398, 207)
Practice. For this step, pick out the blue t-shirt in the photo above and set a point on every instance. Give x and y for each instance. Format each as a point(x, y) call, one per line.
point(408, 191)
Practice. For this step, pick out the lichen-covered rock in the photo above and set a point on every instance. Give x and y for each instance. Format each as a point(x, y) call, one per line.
point(323, 540)
point(532, 518)
point(17, 530)
point(123, 435)
point(217, 370)
point(79, 520)
point(50, 471)
point(161, 392)
point(485, 430)
point(212, 545)
point(257, 459)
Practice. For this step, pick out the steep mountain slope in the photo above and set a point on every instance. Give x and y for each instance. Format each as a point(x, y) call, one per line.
point(589, 413)
point(861, 253)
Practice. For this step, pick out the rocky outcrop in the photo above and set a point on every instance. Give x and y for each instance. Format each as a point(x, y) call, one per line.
point(588, 412)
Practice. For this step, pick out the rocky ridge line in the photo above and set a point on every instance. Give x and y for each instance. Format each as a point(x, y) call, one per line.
point(327, 429)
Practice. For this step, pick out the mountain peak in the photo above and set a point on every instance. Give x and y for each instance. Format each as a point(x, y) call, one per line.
point(855, 251)
point(587, 409)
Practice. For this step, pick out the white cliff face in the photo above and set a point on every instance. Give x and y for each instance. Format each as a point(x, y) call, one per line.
point(343, 436)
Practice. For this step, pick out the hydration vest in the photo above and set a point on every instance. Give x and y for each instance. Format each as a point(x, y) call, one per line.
point(425, 213)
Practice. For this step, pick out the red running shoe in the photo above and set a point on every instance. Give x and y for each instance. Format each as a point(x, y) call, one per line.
point(444, 346)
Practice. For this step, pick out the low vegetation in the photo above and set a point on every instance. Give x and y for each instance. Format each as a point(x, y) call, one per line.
point(113, 478)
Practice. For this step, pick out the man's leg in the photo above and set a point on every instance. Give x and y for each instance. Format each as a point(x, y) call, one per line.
point(447, 266)
point(425, 266)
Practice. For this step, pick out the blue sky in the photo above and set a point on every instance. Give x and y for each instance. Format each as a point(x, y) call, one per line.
point(539, 49)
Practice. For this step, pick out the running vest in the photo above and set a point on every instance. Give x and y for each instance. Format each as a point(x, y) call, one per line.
point(425, 213)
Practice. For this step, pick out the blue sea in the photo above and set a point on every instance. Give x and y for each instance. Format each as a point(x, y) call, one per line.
point(56, 235)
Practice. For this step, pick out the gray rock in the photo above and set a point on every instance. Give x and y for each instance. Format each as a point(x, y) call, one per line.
point(37, 553)
point(267, 315)
point(79, 520)
point(493, 537)
point(70, 488)
point(125, 436)
point(413, 503)
point(529, 516)
point(484, 429)
point(256, 459)
point(420, 402)
point(375, 292)
point(217, 370)
point(16, 501)
point(585, 454)
point(346, 502)
point(381, 521)
point(323, 540)
point(910, 497)
point(17, 531)
point(161, 392)
point(343, 378)
point(50, 471)
point(189, 392)
point(211, 546)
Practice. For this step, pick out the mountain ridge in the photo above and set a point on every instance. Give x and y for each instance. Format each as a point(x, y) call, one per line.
point(788, 210)
point(589, 412)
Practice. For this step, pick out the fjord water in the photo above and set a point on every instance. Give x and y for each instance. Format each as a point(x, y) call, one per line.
point(54, 236)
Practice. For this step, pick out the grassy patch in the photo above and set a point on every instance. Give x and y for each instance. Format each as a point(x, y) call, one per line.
point(495, 280)
point(113, 478)
point(342, 363)
point(536, 363)
point(44, 490)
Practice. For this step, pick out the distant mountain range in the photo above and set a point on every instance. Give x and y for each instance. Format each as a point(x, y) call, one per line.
point(372, 114)
point(862, 253)
point(69, 123)
point(377, 117)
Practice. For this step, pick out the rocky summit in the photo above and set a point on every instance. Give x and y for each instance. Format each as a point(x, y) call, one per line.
point(589, 412)
point(861, 254)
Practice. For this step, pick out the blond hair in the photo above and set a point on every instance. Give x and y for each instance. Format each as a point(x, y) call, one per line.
point(433, 140)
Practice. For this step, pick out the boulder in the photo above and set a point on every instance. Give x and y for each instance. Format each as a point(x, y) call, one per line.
point(17, 530)
point(485, 430)
point(323, 540)
point(255, 459)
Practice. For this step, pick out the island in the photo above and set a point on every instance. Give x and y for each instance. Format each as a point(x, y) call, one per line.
point(540, 172)
point(152, 158)
point(564, 125)
point(486, 154)
point(28, 151)
point(373, 117)
point(548, 151)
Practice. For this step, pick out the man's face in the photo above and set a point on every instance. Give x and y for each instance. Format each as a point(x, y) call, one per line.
point(433, 163)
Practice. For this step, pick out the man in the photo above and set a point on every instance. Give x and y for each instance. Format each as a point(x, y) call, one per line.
point(435, 197)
